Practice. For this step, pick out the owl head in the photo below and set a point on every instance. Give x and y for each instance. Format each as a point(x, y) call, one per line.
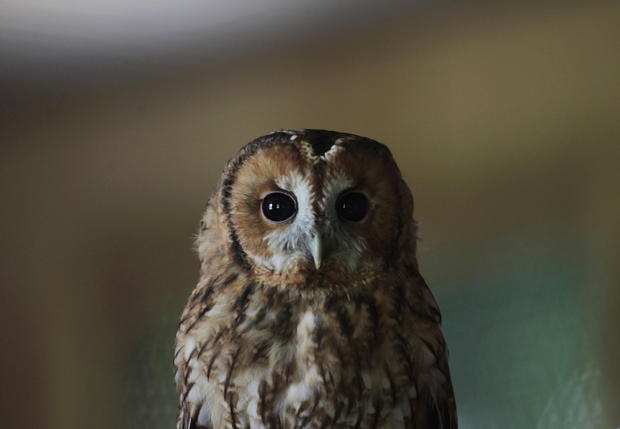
point(315, 208)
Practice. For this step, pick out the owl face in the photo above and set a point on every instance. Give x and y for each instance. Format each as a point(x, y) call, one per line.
point(316, 205)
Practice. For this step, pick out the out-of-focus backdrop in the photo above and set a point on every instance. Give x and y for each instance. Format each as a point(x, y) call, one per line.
point(116, 118)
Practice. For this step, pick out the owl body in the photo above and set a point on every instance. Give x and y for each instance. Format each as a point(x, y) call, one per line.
point(310, 310)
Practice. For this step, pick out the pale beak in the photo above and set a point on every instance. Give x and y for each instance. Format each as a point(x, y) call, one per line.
point(316, 248)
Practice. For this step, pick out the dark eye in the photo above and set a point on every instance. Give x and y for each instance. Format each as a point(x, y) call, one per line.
point(279, 206)
point(352, 206)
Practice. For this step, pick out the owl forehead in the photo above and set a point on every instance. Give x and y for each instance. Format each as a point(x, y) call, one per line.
point(297, 168)
point(315, 165)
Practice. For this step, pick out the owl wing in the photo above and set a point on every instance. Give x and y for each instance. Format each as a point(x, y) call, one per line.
point(189, 407)
point(196, 329)
point(436, 405)
point(435, 411)
point(185, 419)
point(191, 339)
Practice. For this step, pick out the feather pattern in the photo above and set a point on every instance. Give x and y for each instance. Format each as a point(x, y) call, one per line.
point(267, 344)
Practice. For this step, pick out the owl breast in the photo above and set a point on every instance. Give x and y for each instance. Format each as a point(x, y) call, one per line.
point(277, 358)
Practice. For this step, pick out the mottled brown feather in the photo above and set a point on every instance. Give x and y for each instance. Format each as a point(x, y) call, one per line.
point(337, 347)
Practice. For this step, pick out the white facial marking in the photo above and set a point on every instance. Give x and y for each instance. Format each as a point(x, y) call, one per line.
point(331, 153)
point(290, 244)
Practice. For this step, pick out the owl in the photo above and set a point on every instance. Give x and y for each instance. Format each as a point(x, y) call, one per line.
point(310, 310)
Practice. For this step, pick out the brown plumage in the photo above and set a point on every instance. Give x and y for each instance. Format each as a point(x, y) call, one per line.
point(310, 310)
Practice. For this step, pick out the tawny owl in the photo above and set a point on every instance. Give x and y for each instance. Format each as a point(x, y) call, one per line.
point(310, 310)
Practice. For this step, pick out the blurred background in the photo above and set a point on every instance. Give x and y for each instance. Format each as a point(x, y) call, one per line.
point(116, 118)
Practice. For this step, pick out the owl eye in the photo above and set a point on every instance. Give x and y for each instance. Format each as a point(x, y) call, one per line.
point(279, 206)
point(352, 206)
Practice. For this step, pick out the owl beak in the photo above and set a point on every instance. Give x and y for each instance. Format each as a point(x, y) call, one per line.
point(316, 248)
